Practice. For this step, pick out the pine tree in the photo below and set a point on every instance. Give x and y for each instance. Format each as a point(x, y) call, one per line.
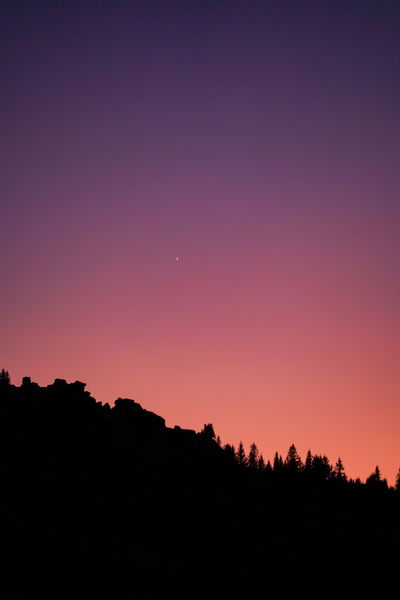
point(253, 456)
point(338, 471)
point(241, 458)
point(293, 461)
point(308, 462)
point(321, 469)
point(230, 452)
point(375, 478)
point(278, 463)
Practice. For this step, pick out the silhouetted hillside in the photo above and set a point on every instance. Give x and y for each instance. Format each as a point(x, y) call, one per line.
point(109, 502)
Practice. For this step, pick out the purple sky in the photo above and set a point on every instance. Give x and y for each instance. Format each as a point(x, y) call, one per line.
point(257, 141)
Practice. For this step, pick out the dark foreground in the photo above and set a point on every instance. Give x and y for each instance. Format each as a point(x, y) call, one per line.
point(109, 503)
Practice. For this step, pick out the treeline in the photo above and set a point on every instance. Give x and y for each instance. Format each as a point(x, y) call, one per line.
point(112, 502)
point(315, 468)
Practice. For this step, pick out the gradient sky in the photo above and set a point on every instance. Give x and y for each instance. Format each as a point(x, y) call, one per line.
point(258, 142)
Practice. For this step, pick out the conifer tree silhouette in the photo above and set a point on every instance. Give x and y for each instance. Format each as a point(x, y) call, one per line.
point(375, 480)
point(230, 452)
point(253, 456)
point(338, 471)
point(375, 477)
point(241, 458)
point(278, 463)
point(308, 463)
point(293, 461)
point(321, 469)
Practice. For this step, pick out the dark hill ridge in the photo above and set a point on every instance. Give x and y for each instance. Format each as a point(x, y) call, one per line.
point(134, 509)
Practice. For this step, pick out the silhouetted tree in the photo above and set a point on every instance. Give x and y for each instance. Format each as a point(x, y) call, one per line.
point(261, 463)
point(230, 452)
point(375, 477)
point(4, 377)
point(278, 463)
point(293, 462)
point(241, 458)
point(253, 456)
point(338, 471)
point(321, 469)
point(375, 480)
point(308, 466)
point(308, 462)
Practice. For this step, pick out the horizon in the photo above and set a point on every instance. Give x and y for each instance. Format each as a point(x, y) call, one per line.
point(267, 459)
point(200, 211)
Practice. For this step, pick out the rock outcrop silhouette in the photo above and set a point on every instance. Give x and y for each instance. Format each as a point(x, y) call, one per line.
point(99, 501)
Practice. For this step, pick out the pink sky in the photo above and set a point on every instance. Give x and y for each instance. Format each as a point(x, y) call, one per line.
point(260, 146)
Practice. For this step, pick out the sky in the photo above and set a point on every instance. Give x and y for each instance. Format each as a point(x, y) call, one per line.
point(258, 142)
